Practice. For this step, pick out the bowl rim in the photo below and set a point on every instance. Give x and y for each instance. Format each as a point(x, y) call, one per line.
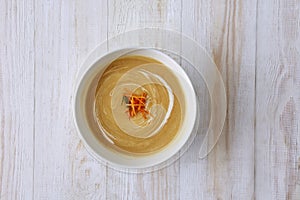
point(76, 118)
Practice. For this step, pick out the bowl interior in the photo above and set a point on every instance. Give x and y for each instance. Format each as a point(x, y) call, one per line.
point(118, 159)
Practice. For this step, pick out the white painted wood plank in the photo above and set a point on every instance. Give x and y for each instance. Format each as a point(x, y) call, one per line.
point(42, 45)
point(278, 100)
point(227, 30)
point(16, 99)
point(129, 15)
point(125, 16)
point(65, 31)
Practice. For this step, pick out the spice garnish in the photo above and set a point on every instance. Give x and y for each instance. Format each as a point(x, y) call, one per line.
point(136, 104)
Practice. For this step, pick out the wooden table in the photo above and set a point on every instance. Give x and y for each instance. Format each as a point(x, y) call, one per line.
point(256, 45)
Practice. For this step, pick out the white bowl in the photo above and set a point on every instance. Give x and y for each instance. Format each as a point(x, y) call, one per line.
point(115, 158)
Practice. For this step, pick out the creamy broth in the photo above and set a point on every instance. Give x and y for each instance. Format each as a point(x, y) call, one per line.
point(165, 102)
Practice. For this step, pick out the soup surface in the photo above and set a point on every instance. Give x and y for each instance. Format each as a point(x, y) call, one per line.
point(138, 105)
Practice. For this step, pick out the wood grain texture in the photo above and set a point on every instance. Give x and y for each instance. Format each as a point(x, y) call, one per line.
point(227, 30)
point(16, 99)
point(278, 100)
point(65, 31)
point(256, 46)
